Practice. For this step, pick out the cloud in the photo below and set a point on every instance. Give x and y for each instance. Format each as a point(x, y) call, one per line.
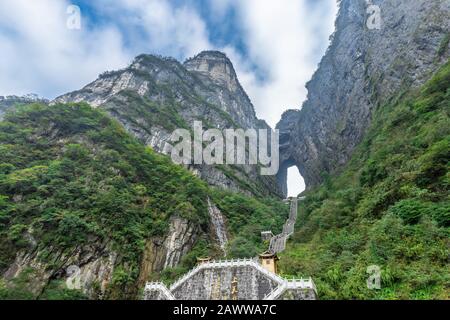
point(275, 46)
point(40, 54)
point(158, 26)
point(285, 40)
point(283, 43)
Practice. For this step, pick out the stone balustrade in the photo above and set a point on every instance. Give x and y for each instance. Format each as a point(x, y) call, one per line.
point(160, 288)
point(280, 288)
point(282, 284)
point(278, 242)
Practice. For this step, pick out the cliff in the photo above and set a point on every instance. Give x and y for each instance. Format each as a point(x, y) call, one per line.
point(155, 95)
point(362, 69)
point(85, 205)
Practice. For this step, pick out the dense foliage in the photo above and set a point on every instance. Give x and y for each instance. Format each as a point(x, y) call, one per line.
point(246, 218)
point(389, 207)
point(70, 175)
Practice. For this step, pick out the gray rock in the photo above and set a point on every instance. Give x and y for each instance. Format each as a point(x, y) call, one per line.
point(93, 265)
point(361, 70)
point(155, 95)
point(167, 251)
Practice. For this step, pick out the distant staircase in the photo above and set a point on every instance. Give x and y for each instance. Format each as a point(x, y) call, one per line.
point(278, 242)
point(276, 287)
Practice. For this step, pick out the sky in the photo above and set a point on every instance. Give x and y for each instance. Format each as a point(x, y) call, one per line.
point(275, 46)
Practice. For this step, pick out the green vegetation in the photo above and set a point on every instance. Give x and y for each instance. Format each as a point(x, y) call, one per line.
point(390, 207)
point(246, 218)
point(18, 288)
point(133, 108)
point(70, 175)
point(57, 290)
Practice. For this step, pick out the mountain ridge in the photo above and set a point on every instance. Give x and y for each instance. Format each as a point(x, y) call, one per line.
point(155, 95)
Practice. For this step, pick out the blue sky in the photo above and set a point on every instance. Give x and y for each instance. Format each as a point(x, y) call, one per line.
point(275, 46)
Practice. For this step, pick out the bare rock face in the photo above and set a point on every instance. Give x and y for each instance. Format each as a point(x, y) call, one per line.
point(361, 70)
point(217, 71)
point(155, 95)
point(180, 239)
point(89, 268)
point(216, 67)
point(167, 251)
point(218, 225)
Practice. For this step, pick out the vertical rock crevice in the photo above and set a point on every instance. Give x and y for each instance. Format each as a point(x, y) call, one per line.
point(218, 225)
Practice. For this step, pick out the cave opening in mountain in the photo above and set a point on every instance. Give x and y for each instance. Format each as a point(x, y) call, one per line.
point(290, 180)
point(295, 182)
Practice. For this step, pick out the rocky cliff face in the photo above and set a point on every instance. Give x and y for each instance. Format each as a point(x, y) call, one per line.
point(107, 248)
point(217, 72)
point(88, 268)
point(150, 98)
point(167, 251)
point(218, 225)
point(361, 70)
point(155, 95)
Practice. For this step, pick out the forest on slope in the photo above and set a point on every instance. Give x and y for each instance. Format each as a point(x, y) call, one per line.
point(390, 206)
point(72, 179)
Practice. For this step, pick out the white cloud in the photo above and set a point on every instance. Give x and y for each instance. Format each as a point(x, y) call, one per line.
point(40, 54)
point(285, 40)
point(282, 38)
point(161, 27)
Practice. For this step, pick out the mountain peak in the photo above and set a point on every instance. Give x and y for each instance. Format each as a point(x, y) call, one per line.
point(209, 54)
point(216, 66)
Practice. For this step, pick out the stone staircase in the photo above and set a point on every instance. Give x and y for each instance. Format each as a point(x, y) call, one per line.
point(158, 287)
point(278, 242)
point(254, 281)
point(157, 290)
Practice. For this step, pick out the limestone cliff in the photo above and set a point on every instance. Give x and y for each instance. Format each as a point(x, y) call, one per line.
point(155, 95)
point(167, 251)
point(100, 209)
point(362, 69)
point(90, 266)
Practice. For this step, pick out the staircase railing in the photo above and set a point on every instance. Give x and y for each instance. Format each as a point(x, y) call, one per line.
point(291, 284)
point(160, 287)
point(277, 244)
